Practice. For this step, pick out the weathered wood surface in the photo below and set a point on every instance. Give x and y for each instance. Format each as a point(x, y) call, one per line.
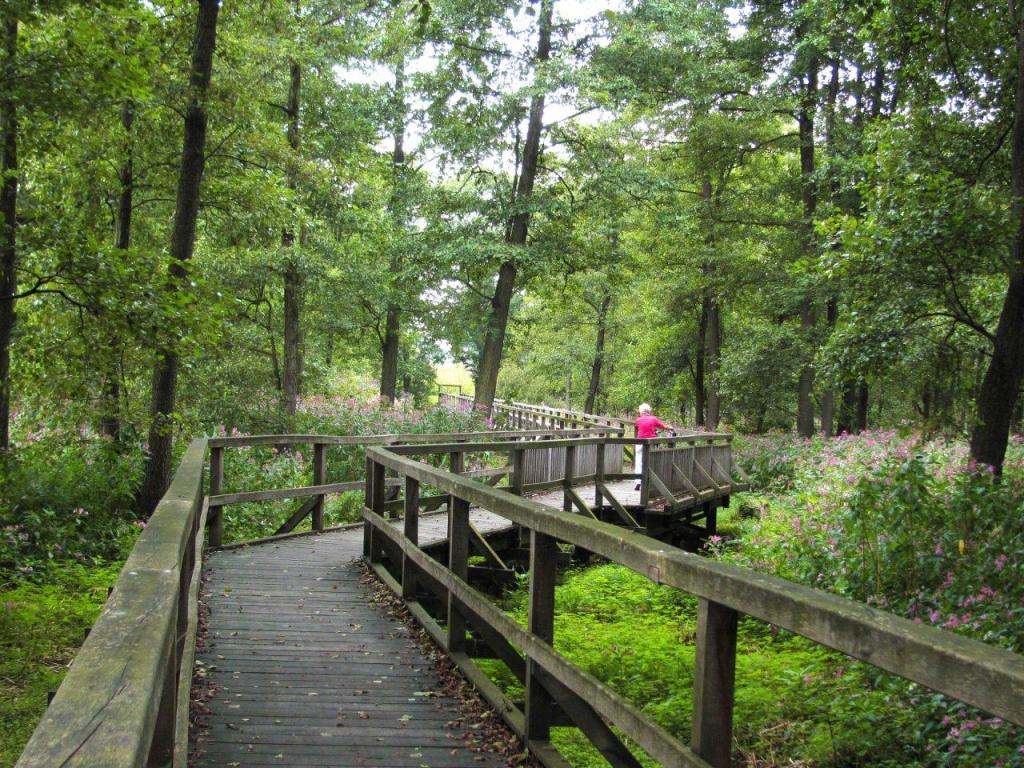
point(309, 673)
point(117, 705)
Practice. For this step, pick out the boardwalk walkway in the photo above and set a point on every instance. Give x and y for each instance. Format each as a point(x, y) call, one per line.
point(307, 672)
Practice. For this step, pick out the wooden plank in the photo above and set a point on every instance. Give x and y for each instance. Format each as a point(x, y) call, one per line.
point(662, 489)
point(543, 550)
point(216, 519)
point(620, 510)
point(284, 493)
point(319, 478)
point(298, 516)
point(580, 504)
point(458, 564)
point(251, 441)
point(188, 654)
point(411, 529)
point(714, 682)
point(483, 547)
point(568, 470)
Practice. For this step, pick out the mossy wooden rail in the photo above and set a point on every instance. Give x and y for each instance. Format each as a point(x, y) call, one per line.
point(557, 692)
point(124, 701)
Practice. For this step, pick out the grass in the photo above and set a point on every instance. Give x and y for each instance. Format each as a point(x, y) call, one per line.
point(41, 629)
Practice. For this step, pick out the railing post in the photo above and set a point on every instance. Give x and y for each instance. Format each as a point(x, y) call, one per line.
point(518, 479)
point(411, 524)
point(368, 503)
point(567, 477)
point(377, 505)
point(645, 473)
point(714, 679)
point(543, 556)
point(599, 476)
point(319, 478)
point(216, 514)
point(458, 564)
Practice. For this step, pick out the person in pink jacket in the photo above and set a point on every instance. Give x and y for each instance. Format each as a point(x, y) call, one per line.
point(647, 425)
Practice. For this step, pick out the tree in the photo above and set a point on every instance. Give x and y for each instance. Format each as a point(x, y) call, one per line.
point(186, 213)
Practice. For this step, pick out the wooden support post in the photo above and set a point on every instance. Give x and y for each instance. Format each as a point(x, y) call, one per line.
point(458, 564)
point(543, 555)
point(368, 503)
point(714, 681)
point(518, 479)
point(216, 514)
point(377, 505)
point(599, 477)
point(319, 478)
point(567, 478)
point(645, 475)
point(411, 522)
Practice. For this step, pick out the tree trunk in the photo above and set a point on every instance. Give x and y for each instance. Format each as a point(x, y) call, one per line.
point(808, 103)
point(393, 322)
point(1001, 385)
point(711, 322)
point(293, 278)
point(861, 422)
point(595, 369)
point(828, 398)
point(714, 354)
point(699, 386)
point(8, 221)
point(110, 419)
point(389, 348)
point(183, 236)
point(497, 324)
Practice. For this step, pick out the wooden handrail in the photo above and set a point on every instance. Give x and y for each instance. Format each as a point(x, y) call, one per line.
point(124, 701)
point(978, 674)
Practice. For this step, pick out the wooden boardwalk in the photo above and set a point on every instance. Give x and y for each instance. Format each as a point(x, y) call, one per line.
point(306, 672)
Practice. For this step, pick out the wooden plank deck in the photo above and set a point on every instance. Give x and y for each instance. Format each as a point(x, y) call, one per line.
point(307, 673)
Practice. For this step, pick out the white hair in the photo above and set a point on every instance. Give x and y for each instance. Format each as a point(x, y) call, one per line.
point(645, 408)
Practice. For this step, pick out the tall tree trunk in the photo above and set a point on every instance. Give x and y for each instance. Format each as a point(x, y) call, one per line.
point(711, 318)
point(183, 237)
point(110, 420)
point(861, 422)
point(8, 219)
point(389, 349)
point(699, 383)
point(293, 277)
point(714, 355)
point(497, 323)
point(809, 196)
point(828, 398)
point(1001, 385)
point(393, 321)
point(595, 368)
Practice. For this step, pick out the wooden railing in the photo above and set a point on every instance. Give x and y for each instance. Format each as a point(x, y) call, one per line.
point(319, 488)
point(557, 692)
point(514, 415)
point(124, 701)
